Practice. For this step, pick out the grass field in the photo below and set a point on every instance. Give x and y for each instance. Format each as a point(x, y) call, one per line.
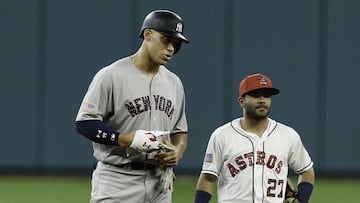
point(45, 189)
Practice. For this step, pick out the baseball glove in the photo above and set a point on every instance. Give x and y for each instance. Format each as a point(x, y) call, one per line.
point(291, 194)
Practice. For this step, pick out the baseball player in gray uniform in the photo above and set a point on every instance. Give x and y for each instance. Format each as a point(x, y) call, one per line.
point(249, 157)
point(134, 114)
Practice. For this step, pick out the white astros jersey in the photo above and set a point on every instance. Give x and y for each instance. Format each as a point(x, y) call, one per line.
point(253, 169)
point(128, 100)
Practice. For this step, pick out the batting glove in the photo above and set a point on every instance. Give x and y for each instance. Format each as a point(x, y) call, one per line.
point(168, 178)
point(146, 141)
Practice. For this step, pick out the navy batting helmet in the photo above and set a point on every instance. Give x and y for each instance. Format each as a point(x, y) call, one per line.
point(166, 22)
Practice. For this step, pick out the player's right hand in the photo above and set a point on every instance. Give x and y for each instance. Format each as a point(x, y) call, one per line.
point(146, 141)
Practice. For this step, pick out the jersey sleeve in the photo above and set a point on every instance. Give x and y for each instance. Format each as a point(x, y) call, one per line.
point(213, 157)
point(299, 158)
point(97, 102)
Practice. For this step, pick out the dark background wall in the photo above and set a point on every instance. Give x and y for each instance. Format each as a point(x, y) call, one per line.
point(50, 50)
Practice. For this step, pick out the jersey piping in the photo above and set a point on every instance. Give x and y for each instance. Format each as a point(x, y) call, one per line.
point(303, 169)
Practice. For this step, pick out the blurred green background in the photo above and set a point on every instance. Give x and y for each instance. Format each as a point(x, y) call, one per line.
point(70, 189)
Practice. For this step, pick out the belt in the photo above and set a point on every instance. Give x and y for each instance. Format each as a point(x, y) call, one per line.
point(139, 166)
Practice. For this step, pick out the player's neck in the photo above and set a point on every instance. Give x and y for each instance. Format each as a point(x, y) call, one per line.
point(257, 127)
point(144, 64)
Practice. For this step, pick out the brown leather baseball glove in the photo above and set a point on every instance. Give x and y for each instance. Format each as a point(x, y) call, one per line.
point(291, 194)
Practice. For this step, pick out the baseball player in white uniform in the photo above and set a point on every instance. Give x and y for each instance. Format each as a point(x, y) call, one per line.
point(248, 158)
point(134, 113)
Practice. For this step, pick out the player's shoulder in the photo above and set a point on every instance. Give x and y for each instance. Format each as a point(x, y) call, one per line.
point(165, 71)
point(223, 129)
point(283, 128)
point(116, 66)
point(282, 125)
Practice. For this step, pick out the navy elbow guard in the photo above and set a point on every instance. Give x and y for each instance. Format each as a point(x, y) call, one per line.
point(97, 131)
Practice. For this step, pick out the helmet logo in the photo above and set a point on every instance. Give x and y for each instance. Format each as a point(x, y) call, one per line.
point(179, 27)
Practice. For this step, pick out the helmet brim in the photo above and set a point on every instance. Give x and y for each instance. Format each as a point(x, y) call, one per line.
point(174, 35)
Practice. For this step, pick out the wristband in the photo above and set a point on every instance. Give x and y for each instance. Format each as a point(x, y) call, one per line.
point(202, 196)
point(305, 190)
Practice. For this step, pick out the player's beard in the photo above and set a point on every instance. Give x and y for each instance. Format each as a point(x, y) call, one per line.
point(255, 114)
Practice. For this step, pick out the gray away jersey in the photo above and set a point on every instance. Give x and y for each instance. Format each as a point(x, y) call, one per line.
point(128, 100)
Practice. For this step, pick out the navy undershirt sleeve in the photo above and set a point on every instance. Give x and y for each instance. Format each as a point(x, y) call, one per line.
point(97, 131)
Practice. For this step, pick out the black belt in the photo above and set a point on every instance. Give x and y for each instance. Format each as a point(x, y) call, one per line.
point(140, 166)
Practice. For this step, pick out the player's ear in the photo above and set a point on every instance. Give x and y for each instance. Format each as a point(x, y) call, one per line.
point(147, 34)
point(241, 101)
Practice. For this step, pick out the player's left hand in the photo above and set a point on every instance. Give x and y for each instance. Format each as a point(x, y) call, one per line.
point(169, 157)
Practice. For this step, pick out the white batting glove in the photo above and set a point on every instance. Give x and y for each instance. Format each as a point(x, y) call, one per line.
point(165, 147)
point(146, 141)
point(159, 133)
point(168, 178)
point(162, 149)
